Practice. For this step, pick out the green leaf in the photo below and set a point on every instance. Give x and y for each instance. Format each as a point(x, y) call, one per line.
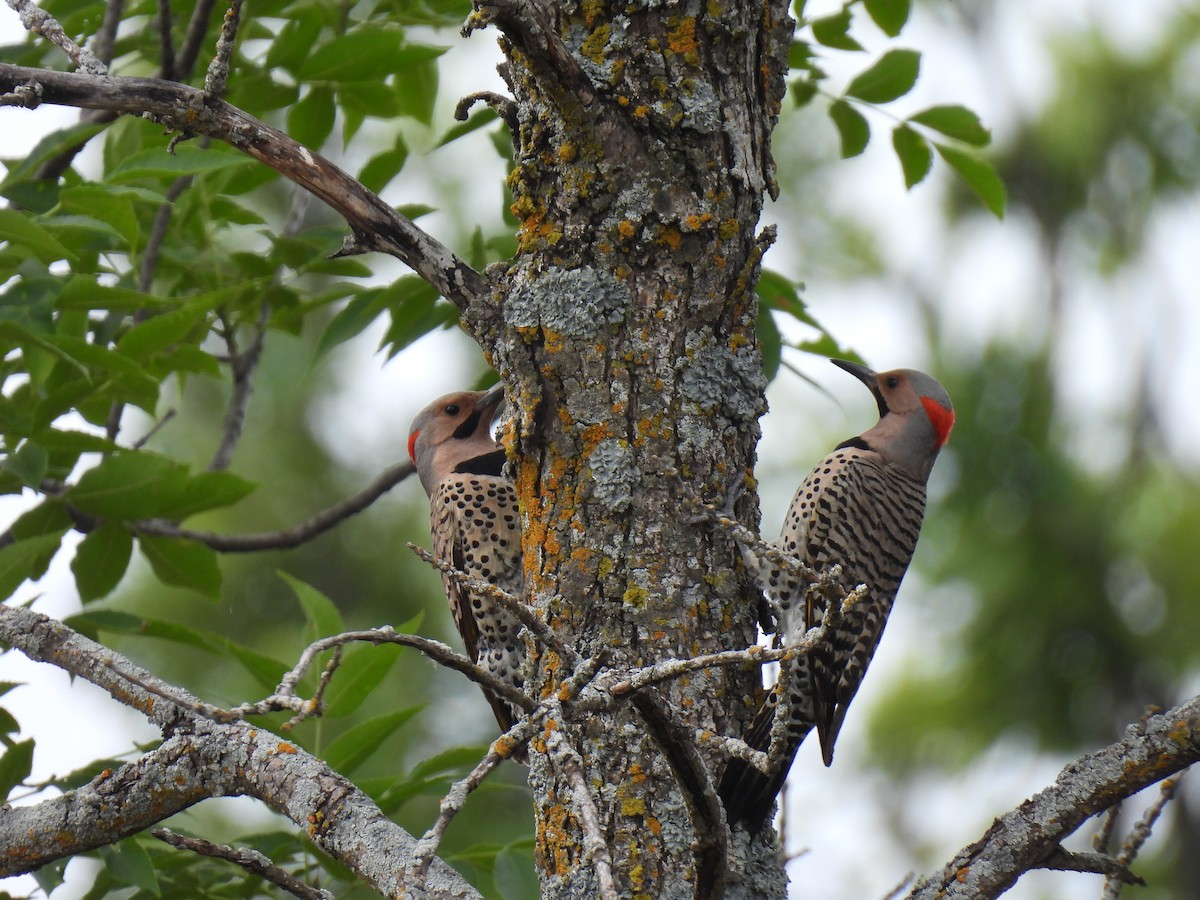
point(83, 292)
point(101, 560)
point(131, 484)
point(311, 120)
point(383, 167)
point(29, 463)
point(186, 160)
point(366, 54)
point(181, 563)
point(416, 91)
point(916, 159)
point(834, 31)
point(890, 15)
point(956, 122)
point(354, 747)
point(770, 344)
point(852, 128)
point(129, 863)
point(357, 315)
point(362, 670)
point(21, 229)
point(26, 559)
point(112, 204)
point(205, 491)
point(893, 75)
point(484, 117)
point(160, 332)
point(514, 872)
point(15, 766)
point(52, 145)
point(979, 175)
point(323, 617)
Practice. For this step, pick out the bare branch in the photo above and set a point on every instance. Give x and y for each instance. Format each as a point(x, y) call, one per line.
point(1063, 860)
point(1021, 839)
point(501, 105)
point(193, 40)
point(1137, 837)
point(526, 22)
point(290, 537)
point(376, 225)
point(200, 759)
point(106, 37)
point(250, 860)
point(567, 759)
point(217, 77)
point(285, 695)
point(242, 365)
point(424, 851)
point(40, 22)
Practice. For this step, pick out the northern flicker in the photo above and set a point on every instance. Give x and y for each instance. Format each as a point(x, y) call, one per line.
point(475, 525)
point(860, 508)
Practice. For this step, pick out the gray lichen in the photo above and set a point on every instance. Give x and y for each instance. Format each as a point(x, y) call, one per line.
point(576, 303)
point(717, 379)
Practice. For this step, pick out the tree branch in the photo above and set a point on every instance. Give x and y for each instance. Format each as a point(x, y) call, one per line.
point(250, 860)
point(1026, 837)
point(376, 225)
point(289, 537)
point(199, 759)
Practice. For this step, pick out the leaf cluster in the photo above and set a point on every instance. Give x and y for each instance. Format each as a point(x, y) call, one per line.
point(953, 131)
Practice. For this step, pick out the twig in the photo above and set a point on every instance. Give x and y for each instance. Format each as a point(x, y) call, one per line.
point(290, 537)
point(177, 696)
point(526, 22)
point(250, 860)
point(503, 107)
point(158, 232)
point(106, 37)
point(166, 43)
point(1063, 860)
point(1137, 837)
point(193, 39)
point(26, 95)
point(242, 364)
point(40, 22)
point(501, 749)
point(568, 761)
point(163, 420)
point(523, 612)
point(217, 76)
point(285, 694)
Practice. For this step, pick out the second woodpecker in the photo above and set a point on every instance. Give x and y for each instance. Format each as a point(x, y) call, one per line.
point(860, 508)
point(475, 525)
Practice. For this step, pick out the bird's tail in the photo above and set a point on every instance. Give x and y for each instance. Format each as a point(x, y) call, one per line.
point(748, 794)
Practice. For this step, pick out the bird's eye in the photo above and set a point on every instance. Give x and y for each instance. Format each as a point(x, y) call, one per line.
point(893, 381)
point(452, 409)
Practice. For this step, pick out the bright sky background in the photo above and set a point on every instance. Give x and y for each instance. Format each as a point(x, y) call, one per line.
point(993, 269)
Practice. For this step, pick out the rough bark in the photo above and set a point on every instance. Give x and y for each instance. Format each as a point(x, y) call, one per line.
point(626, 330)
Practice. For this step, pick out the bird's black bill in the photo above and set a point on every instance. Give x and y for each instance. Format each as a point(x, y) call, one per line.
point(868, 377)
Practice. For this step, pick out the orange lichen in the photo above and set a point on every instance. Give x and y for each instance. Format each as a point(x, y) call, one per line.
point(681, 35)
point(285, 747)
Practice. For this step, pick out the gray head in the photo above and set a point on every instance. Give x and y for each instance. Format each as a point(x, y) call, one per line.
point(452, 429)
point(915, 416)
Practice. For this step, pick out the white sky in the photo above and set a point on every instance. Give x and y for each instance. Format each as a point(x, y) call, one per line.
point(992, 267)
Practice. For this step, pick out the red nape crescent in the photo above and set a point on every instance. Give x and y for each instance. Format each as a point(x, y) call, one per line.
point(412, 445)
point(942, 419)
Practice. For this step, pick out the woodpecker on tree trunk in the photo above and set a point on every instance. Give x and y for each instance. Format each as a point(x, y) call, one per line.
point(861, 509)
point(475, 526)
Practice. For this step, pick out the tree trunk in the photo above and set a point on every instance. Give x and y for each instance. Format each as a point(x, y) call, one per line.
point(626, 331)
